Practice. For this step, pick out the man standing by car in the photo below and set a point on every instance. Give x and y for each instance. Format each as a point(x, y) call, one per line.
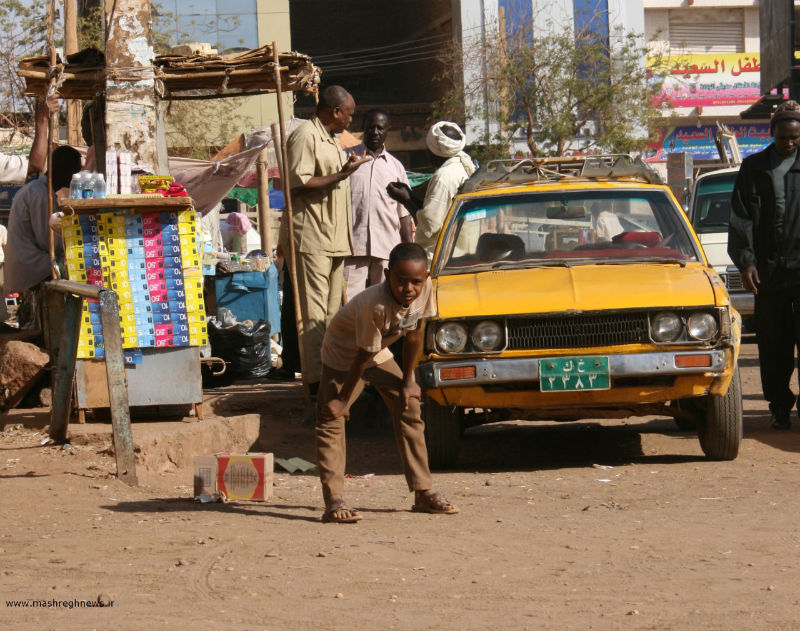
point(379, 222)
point(764, 243)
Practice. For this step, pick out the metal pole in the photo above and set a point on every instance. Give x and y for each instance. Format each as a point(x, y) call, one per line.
point(287, 195)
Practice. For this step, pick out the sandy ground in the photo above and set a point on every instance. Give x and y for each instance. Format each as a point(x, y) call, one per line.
point(612, 525)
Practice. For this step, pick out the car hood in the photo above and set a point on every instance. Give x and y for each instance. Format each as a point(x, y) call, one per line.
point(715, 245)
point(578, 288)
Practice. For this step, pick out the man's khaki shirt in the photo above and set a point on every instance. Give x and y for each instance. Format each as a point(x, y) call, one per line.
point(323, 220)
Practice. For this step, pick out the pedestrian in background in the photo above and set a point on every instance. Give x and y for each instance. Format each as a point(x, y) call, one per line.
point(445, 142)
point(764, 243)
point(379, 222)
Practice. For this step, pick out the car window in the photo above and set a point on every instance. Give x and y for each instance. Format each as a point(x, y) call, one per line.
point(565, 227)
point(712, 203)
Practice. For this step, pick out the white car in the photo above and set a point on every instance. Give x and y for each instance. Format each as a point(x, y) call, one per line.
point(710, 214)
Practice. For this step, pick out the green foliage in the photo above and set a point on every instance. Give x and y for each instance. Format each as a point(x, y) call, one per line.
point(190, 132)
point(552, 86)
point(23, 29)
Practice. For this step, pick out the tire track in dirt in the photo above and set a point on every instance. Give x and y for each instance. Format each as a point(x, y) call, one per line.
point(201, 583)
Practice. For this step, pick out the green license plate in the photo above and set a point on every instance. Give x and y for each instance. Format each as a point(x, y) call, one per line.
point(568, 374)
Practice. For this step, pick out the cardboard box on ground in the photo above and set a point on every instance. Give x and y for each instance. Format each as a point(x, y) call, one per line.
point(246, 476)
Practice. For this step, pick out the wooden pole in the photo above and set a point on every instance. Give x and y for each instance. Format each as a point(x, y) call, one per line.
point(287, 195)
point(51, 11)
point(71, 46)
point(264, 228)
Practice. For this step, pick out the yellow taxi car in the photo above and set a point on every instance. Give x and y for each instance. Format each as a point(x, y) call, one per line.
point(576, 288)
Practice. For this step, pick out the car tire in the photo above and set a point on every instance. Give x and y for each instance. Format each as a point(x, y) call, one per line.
point(720, 432)
point(442, 433)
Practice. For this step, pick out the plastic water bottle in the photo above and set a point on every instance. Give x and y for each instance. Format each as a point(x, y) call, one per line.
point(99, 185)
point(87, 190)
point(76, 186)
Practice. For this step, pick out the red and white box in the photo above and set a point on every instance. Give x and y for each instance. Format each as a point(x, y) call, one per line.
point(247, 476)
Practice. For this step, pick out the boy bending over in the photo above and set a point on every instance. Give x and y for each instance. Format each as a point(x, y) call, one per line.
point(355, 351)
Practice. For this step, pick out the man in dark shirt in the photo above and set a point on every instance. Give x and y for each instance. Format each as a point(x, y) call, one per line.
point(764, 242)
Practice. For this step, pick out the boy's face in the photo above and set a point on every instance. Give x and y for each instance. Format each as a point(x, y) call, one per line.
point(406, 280)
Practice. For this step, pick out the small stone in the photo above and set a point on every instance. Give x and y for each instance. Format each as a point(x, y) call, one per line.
point(271, 555)
point(487, 483)
point(322, 554)
point(633, 612)
point(201, 542)
point(181, 562)
point(770, 588)
point(340, 595)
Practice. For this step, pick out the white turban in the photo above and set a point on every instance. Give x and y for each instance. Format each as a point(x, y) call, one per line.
point(443, 146)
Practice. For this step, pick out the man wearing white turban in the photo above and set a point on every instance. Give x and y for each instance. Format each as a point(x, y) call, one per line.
point(445, 142)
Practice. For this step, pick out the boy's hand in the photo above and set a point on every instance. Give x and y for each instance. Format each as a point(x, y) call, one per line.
point(408, 391)
point(335, 408)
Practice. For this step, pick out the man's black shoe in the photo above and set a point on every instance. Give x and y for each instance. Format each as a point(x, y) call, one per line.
point(780, 420)
point(281, 374)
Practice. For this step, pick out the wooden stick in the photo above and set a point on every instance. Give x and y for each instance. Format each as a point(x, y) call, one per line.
point(287, 195)
point(51, 9)
point(263, 204)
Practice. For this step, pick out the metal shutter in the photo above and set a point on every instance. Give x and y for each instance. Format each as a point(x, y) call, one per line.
point(706, 36)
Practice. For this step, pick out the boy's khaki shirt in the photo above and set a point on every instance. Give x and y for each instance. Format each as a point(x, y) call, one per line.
point(372, 321)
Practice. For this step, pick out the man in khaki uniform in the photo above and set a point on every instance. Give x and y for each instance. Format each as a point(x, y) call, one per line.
point(322, 219)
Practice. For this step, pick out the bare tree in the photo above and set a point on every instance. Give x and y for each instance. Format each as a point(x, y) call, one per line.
point(559, 89)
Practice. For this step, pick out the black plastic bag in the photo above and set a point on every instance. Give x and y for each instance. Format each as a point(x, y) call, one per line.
point(245, 347)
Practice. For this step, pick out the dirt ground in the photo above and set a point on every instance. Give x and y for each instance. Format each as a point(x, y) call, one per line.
point(611, 525)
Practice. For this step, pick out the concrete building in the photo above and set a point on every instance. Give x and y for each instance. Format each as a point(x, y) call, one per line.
point(714, 48)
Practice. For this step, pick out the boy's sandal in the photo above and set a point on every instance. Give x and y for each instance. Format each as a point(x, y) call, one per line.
point(340, 513)
point(432, 502)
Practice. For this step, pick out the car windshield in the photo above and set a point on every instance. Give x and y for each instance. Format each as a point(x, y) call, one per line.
point(712, 203)
point(565, 228)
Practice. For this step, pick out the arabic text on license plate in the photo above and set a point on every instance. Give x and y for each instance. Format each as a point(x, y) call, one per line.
point(574, 373)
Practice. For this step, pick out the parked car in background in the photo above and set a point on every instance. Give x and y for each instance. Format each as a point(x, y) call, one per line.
point(709, 213)
point(576, 288)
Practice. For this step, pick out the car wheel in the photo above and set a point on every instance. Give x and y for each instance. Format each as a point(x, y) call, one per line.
point(442, 433)
point(720, 432)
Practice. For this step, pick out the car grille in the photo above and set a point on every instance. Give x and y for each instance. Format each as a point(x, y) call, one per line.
point(733, 280)
point(578, 331)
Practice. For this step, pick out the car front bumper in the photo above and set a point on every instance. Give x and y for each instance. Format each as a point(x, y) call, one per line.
point(514, 382)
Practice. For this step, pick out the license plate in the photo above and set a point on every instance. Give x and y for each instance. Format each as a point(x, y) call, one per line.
point(568, 374)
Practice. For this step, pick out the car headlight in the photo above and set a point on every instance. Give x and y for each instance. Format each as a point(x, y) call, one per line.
point(666, 327)
point(451, 337)
point(487, 336)
point(701, 326)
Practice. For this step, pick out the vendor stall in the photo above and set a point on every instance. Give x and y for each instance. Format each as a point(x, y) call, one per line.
point(147, 249)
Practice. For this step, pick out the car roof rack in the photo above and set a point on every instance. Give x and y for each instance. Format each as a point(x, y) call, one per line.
point(497, 173)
